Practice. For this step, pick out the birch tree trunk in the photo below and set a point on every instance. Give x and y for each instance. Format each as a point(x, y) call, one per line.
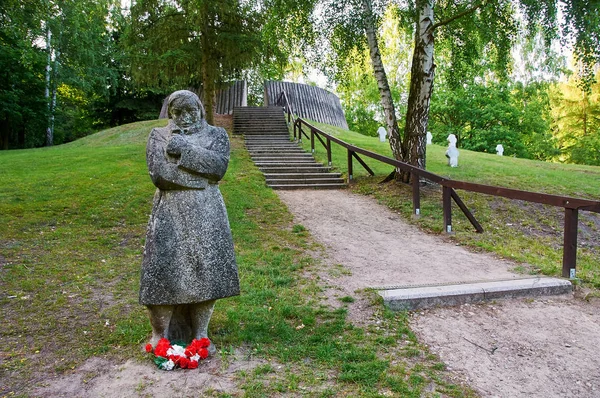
point(421, 87)
point(208, 71)
point(49, 137)
point(54, 89)
point(382, 83)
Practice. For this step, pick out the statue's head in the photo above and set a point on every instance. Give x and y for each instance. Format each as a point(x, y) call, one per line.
point(185, 109)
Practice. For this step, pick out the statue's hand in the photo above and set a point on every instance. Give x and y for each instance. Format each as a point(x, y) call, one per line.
point(175, 145)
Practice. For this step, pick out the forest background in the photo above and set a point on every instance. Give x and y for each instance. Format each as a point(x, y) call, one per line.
point(71, 67)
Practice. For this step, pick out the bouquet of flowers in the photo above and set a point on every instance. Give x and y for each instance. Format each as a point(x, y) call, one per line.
point(170, 356)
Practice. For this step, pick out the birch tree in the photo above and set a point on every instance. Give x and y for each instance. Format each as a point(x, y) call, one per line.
point(495, 23)
point(387, 103)
point(48, 48)
point(77, 41)
point(21, 71)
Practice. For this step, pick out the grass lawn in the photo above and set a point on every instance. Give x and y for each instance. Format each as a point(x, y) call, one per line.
point(525, 232)
point(72, 226)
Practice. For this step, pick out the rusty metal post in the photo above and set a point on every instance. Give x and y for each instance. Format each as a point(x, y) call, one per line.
point(329, 151)
point(416, 194)
point(350, 156)
point(570, 243)
point(447, 206)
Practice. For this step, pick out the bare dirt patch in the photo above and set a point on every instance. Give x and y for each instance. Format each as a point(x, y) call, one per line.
point(536, 348)
point(379, 249)
point(99, 377)
point(541, 348)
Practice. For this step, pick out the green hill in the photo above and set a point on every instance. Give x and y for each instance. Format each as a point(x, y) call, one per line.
point(72, 225)
point(483, 168)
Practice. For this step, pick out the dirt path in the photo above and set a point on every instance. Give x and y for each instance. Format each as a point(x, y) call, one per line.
point(536, 348)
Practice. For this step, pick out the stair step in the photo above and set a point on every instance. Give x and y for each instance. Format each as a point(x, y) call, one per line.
point(261, 125)
point(299, 162)
point(297, 181)
point(308, 186)
point(273, 158)
point(294, 169)
point(272, 143)
point(302, 175)
point(275, 151)
point(283, 162)
point(267, 137)
point(257, 139)
point(274, 148)
point(259, 134)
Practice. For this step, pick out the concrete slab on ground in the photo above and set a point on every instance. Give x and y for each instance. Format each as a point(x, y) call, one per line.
point(419, 297)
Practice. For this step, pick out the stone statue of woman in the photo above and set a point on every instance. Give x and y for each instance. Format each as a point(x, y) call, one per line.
point(189, 261)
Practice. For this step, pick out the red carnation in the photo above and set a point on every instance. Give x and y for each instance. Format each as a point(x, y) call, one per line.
point(193, 365)
point(203, 353)
point(148, 347)
point(162, 347)
point(190, 351)
point(161, 351)
point(204, 342)
point(183, 362)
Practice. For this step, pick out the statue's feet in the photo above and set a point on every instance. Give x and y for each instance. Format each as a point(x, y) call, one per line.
point(212, 349)
point(154, 340)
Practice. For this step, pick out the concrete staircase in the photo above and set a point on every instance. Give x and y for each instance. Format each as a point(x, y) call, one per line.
point(284, 163)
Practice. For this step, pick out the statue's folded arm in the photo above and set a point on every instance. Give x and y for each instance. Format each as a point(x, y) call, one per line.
point(167, 175)
point(210, 163)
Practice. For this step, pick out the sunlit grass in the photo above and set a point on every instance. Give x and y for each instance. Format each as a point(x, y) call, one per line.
point(72, 225)
point(523, 232)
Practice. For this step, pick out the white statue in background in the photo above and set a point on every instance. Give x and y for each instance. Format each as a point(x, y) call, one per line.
point(429, 137)
point(499, 150)
point(382, 134)
point(452, 152)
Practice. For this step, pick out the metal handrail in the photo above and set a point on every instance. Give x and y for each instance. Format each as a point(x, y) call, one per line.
point(571, 205)
point(287, 105)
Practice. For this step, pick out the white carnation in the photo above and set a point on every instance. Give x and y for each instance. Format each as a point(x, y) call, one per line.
point(176, 350)
point(168, 365)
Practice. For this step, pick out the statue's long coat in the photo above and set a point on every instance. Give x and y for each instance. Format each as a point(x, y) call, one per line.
point(189, 256)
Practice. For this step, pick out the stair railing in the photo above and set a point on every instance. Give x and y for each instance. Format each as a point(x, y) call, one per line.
point(571, 205)
point(283, 101)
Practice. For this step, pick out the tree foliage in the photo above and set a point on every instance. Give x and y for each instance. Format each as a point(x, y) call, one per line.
point(473, 41)
point(204, 44)
point(191, 44)
point(576, 120)
point(357, 86)
point(58, 79)
point(485, 115)
point(22, 104)
point(83, 53)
